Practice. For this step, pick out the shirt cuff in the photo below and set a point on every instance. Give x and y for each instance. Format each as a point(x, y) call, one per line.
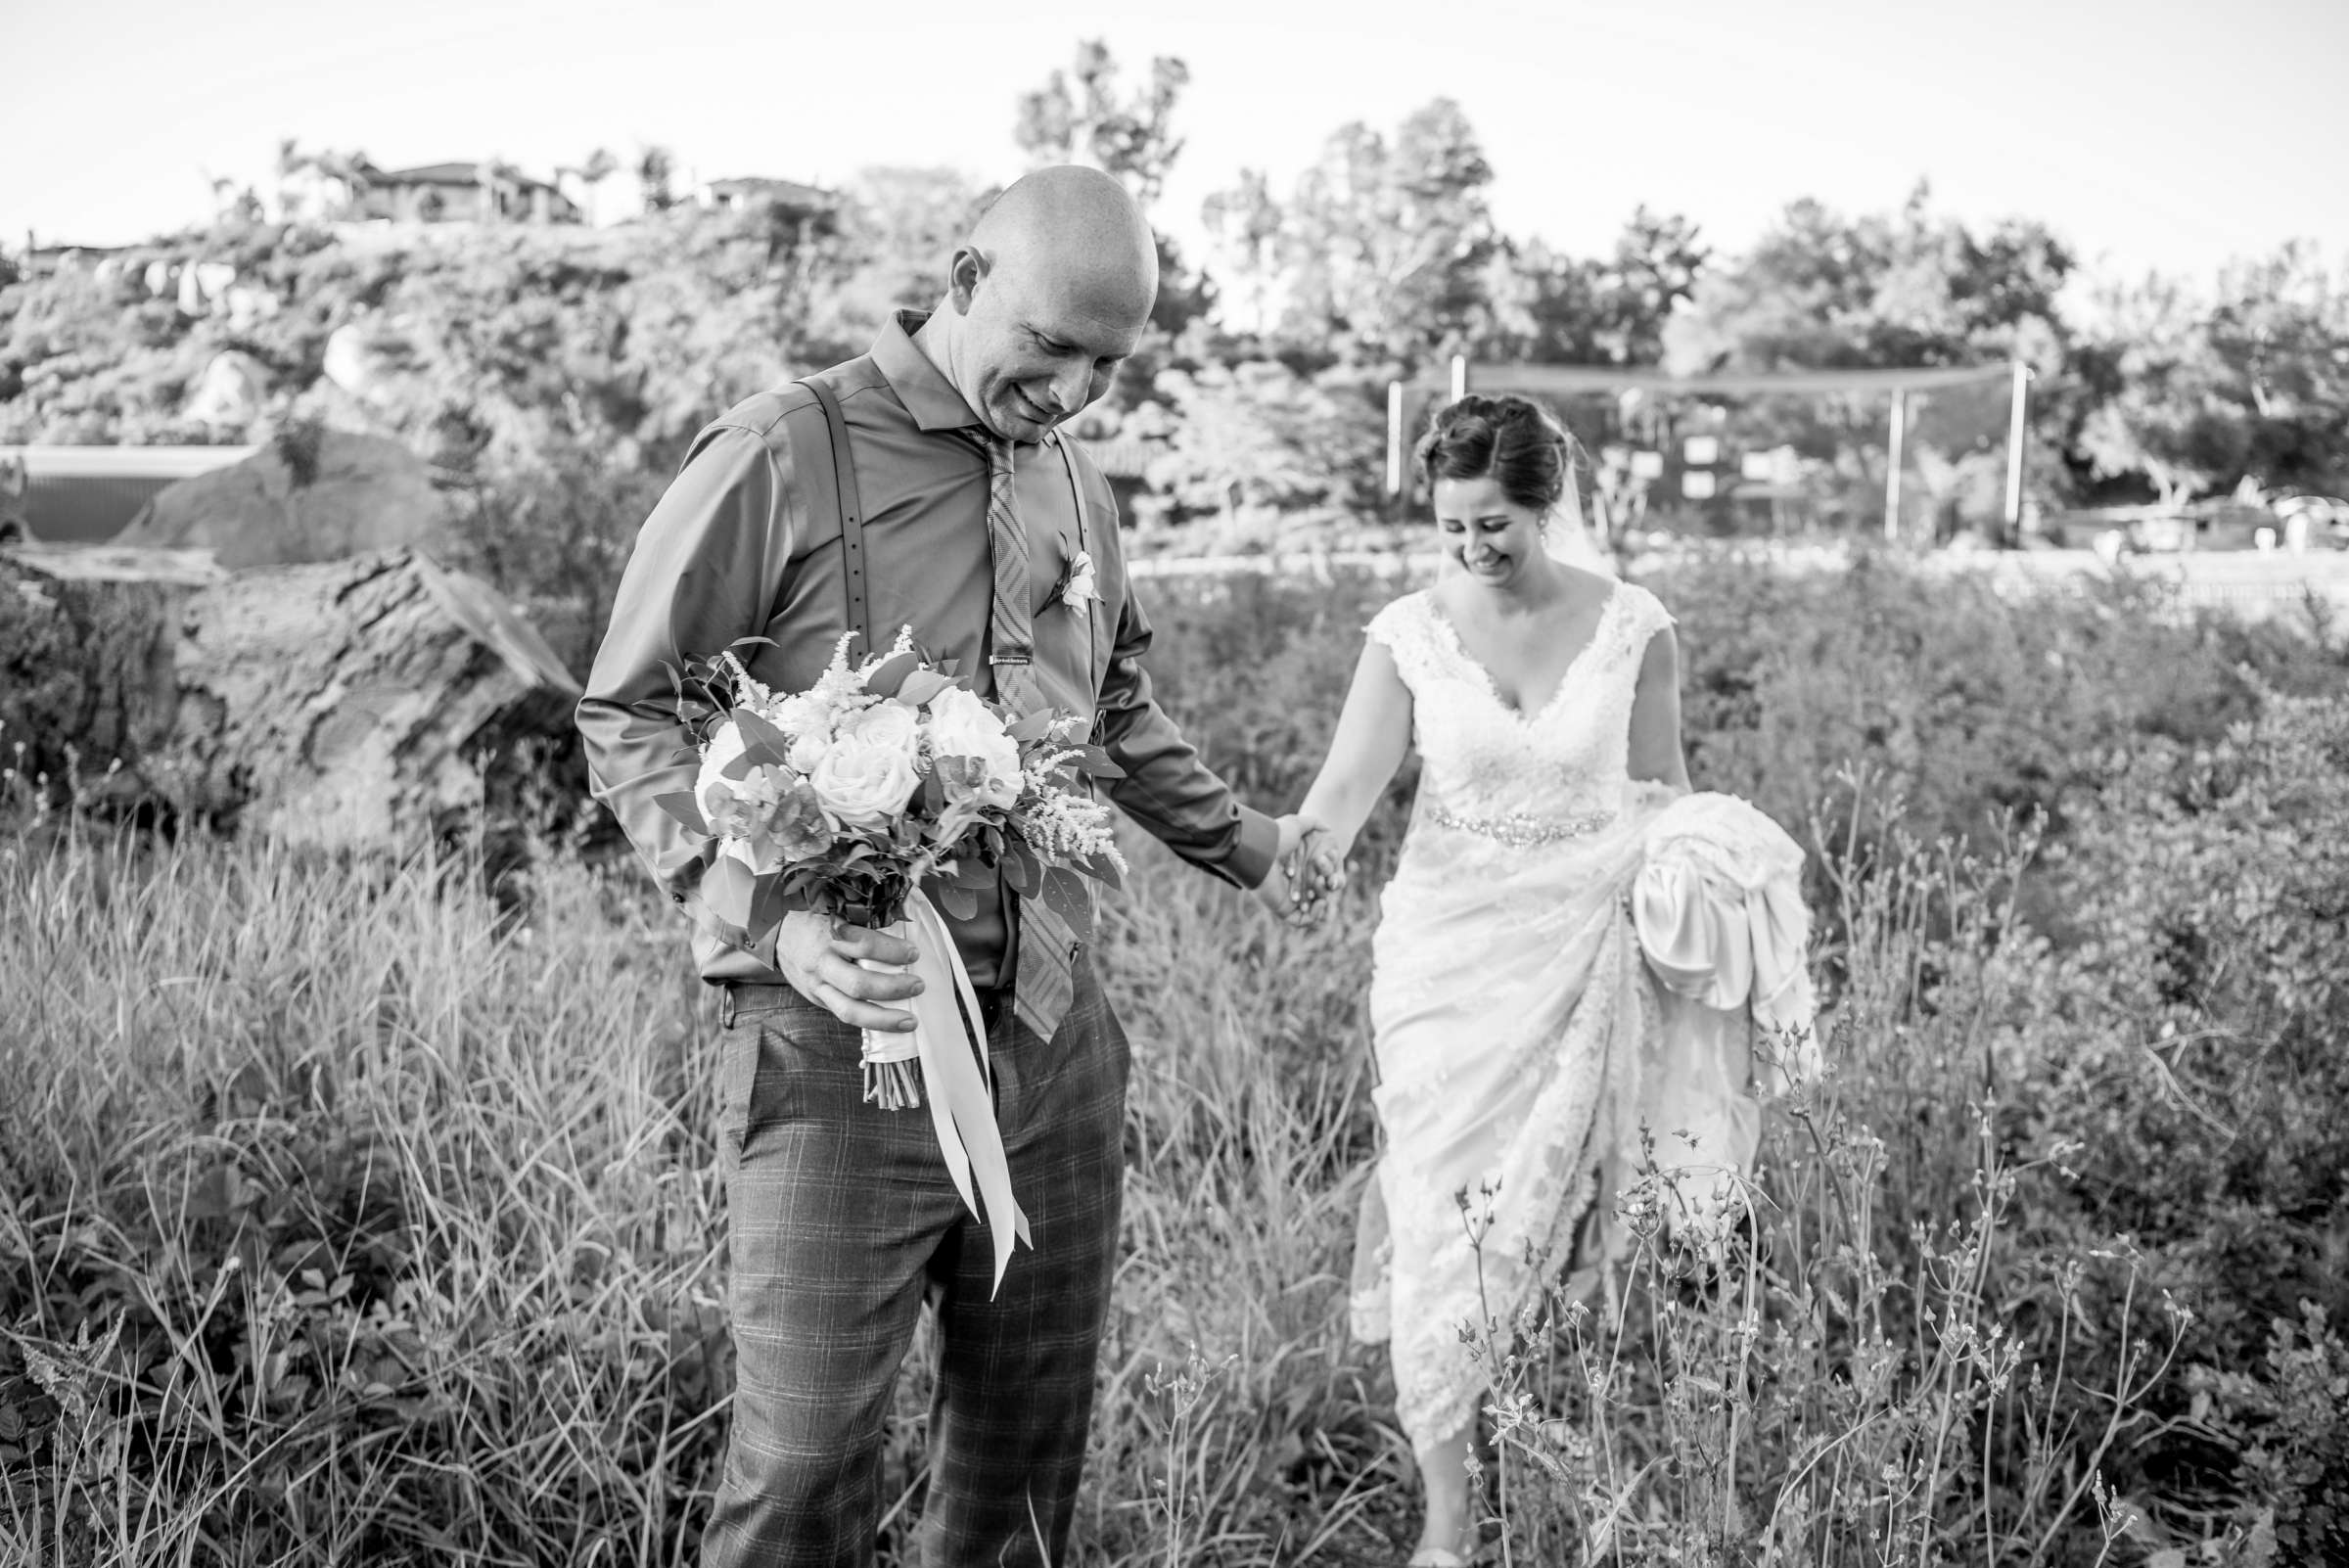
point(1253, 851)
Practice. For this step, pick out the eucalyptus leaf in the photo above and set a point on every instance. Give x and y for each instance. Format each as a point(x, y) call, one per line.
point(886, 680)
point(682, 805)
point(921, 686)
point(760, 736)
point(728, 888)
point(1022, 869)
point(1066, 896)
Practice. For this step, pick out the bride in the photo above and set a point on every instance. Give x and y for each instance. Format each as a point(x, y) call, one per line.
point(1510, 1011)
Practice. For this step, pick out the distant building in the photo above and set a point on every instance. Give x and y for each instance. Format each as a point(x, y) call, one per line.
point(804, 209)
point(460, 193)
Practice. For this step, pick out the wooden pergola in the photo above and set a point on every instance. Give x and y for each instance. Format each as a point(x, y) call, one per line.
point(1572, 381)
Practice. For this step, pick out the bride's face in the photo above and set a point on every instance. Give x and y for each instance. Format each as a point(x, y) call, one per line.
point(1490, 538)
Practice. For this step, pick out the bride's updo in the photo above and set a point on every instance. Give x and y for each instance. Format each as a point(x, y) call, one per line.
point(1516, 440)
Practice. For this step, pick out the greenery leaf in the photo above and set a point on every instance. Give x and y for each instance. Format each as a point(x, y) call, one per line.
point(729, 888)
point(682, 805)
point(922, 685)
point(890, 677)
point(1022, 870)
point(1066, 896)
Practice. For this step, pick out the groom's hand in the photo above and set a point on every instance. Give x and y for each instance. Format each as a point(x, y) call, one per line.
point(1293, 830)
point(818, 954)
point(1274, 889)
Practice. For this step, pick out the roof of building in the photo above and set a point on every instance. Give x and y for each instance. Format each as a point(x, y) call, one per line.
point(786, 191)
point(445, 174)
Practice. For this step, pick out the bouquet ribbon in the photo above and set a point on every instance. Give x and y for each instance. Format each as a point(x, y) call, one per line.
point(961, 1082)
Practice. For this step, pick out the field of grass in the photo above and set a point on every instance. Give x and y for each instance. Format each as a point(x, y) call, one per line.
point(359, 1213)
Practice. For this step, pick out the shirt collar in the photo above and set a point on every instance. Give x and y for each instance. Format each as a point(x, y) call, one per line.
point(920, 385)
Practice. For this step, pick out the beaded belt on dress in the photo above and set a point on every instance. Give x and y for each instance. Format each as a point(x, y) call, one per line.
point(1522, 830)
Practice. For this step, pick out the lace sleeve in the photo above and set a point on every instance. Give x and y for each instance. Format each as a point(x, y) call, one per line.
point(1643, 616)
point(1402, 629)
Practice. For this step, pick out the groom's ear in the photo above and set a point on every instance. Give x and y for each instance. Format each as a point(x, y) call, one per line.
point(963, 276)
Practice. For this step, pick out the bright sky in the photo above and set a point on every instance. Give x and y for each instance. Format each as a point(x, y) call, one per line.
point(2150, 133)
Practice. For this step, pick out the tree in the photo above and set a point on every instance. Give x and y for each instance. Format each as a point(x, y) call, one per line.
point(600, 166)
point(1244, 229)
point(1081, 118)
point(898, 229)
point(1821, 290)
point(2170, 418)
point(1385, 247)
point(1656, 262)
point(2205, 392)
point(1254, 437)
point(1552, 309)
point(656, 172)
point(321, 185)
point(2281, 326)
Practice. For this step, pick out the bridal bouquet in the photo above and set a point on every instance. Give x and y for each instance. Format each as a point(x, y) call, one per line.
point(881, 795)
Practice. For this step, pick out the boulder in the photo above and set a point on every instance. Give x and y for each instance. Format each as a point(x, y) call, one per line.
point(309, 494)
point(352, 704)
point(230, 394)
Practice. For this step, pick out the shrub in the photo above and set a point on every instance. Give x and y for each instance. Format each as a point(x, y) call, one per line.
point(364, 1212)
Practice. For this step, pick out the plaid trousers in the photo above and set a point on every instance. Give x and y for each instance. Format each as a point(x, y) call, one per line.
point(841, 1218)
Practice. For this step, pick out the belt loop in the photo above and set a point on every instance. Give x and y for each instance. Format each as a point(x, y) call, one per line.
point(725, 1006)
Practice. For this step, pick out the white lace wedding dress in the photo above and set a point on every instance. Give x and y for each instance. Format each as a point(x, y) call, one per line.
point(1522, 1038)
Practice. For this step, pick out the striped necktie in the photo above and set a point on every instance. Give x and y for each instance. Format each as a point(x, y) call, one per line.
point(1044, 960)
point(1011, 622)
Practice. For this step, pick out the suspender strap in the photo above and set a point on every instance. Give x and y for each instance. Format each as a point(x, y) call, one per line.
point(851, 518)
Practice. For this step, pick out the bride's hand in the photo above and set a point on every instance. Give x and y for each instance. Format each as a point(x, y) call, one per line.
point(1315, 872)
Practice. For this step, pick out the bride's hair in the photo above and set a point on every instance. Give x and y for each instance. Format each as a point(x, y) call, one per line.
point(1516, 440)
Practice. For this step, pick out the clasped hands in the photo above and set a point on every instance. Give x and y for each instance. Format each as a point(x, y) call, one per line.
point(825, 959)
point(1309, 865)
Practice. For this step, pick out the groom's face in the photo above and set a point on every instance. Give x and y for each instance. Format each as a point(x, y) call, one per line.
point(1039, 343)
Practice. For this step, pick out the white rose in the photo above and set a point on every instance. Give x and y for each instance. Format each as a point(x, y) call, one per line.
point(863, 786)
point(962, 725)
point(798, 714)
point(808, 750)
point(809, 726)
point(886, 724)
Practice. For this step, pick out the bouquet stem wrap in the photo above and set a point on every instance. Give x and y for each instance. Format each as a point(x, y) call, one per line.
point(952, 1056)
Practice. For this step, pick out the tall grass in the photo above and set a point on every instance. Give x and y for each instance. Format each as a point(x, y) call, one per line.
point(366, 1212)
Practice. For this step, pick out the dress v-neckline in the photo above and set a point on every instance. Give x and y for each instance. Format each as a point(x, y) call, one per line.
point(1525, 715)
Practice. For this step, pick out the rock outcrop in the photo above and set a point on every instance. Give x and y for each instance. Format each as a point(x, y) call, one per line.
point(310, 493)
point(350, 704)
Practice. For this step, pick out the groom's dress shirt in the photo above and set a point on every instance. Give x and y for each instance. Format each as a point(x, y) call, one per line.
point(739, 546)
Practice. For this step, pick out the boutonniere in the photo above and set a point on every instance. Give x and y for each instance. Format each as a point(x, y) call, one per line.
point(1076, 588)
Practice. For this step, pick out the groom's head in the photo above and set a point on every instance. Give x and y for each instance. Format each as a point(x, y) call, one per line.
point(1047, 296)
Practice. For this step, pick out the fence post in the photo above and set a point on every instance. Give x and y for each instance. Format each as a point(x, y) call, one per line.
point(1394, 439)
point(2014, 454)
point(1892, 465)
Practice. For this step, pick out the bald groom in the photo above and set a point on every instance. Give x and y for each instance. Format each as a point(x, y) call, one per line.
point(841, 1215)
